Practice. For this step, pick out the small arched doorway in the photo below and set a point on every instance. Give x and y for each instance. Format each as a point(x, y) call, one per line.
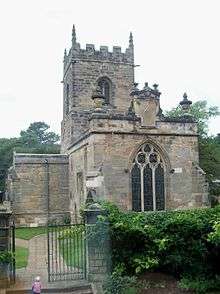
point(148, 179)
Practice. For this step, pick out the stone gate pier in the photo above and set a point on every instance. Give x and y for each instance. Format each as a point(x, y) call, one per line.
point(5, 242)
point(98, 249)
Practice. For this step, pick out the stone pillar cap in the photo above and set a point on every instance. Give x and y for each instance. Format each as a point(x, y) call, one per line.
point(94, 206)
point(97, 93)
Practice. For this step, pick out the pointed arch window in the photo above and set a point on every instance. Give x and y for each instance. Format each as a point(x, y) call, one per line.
point(105, 85)
point(147, 180)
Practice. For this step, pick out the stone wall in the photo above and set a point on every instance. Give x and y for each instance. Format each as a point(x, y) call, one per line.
point(98, 252)
point(82, 70)
point(112, 144)
point(38, 188)
point(80, 162)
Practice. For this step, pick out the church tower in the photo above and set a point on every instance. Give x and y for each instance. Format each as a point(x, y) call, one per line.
point(84, 70)
point(115, 142)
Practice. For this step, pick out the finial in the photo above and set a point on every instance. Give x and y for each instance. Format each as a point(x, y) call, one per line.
point(185, 96)
point(131, 40)
point(98, 97)
point(146, 87)
point(155, 86)
point(97, 93)
point(65, 54)
point(131, 110)
point(90, 194)
point(134, 91)
point(185, 103)
point(73, 35)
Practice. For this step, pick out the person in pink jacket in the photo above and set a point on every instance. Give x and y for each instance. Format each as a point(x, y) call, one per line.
point(36, 286)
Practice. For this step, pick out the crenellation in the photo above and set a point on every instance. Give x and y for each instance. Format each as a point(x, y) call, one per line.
point(116, 50)
point(90, 47)
point(102, 55)
point(104, 50)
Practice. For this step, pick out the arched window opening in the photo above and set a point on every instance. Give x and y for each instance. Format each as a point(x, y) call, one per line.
point(147, 180)
point(105, 85)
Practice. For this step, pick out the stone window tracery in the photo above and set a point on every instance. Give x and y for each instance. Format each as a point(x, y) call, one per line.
point(147, 179)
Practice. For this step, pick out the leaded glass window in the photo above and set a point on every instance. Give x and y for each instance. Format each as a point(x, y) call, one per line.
point(136, 188)
point(147, 179)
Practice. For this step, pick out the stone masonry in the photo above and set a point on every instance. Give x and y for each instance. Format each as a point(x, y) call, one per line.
point(104, 140)
point(107, 120)
point(38, 186)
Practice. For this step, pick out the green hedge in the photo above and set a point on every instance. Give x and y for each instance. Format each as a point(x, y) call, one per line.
point(182, 243)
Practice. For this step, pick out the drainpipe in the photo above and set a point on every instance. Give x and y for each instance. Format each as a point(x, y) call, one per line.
point(47, 188)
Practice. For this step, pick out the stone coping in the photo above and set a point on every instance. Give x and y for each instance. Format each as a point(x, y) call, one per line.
point(21, 158)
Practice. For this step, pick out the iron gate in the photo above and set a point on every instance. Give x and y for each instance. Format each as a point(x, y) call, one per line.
point(7, 245)
point(66, 252)
point(12, 248)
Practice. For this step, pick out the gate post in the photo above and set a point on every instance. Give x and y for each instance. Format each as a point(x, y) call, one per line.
point(5, 243)
point(98, 253)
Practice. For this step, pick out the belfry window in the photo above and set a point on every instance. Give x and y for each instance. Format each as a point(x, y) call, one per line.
point(105, 85)
point(147, 179)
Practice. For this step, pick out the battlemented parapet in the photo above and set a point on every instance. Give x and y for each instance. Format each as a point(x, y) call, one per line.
point(102, 55)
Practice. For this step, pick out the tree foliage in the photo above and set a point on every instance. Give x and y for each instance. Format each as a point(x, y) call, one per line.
point(38, 134)
point(36, 139)
point(209, 146)
point(209, 151)
point(184, 243)
point(200, 111)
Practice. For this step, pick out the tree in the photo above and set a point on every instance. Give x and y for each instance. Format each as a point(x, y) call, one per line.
point(209, 146)
point(37, 133)
point(6, 153)
point(210, 156)
point(200, 111)
point(36, 139)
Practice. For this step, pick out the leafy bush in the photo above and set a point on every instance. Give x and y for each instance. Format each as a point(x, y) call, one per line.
point(200, 284)
point(181, 243)
point(66, 220)
point(214, 237)
point(117, 284)
point(6, 257)
point(71, 232)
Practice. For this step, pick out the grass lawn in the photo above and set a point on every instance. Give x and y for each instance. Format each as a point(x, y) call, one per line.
point(72, 252)
point(28, 233)
point(21, 256)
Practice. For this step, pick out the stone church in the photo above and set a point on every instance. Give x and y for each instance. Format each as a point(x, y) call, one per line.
point(115, 141)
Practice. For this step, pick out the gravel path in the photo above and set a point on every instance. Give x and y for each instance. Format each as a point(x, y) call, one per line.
point(37, 265)
point(22, 243)
point(37, 261)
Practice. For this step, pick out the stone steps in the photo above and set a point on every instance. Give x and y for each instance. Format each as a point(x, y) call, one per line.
point(74, 290)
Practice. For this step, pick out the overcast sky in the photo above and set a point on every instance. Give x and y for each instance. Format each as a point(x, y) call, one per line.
point(177, 45)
